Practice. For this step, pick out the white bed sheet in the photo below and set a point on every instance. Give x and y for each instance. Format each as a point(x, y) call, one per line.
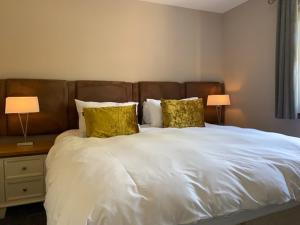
point(170, 176)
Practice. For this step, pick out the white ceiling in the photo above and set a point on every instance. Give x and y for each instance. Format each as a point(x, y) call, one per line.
point(218, 6)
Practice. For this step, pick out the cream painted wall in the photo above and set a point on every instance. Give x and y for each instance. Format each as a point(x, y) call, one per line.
point(124, 40)
point(249, 42)
point(129, 40)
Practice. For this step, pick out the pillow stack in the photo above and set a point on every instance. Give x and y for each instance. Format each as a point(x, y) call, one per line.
point(189, 111)
point(107, 119)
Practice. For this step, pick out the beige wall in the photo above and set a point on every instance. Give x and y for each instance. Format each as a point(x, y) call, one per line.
point(250, 40)
point(129, 40)
point(125, 40)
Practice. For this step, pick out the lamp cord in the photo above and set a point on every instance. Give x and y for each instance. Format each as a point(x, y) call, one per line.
point(22, 126)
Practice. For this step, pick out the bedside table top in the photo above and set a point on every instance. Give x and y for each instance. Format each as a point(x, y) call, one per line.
point(40, 146)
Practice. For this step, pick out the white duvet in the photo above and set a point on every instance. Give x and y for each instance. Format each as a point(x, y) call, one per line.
point(169, 176)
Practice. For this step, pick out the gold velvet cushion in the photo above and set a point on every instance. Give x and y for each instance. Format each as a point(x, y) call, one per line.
point(183, 113)
point(110, 121)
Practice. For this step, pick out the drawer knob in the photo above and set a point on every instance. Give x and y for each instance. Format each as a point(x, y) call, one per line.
point(24, 168)
point(24, 189)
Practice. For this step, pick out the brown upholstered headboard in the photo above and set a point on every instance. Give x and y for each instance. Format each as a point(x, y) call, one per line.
point(57, 106)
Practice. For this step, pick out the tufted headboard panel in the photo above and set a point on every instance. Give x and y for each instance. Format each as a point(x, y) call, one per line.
point(159, 90)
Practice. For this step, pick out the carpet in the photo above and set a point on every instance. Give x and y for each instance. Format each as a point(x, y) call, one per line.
point(33, 214)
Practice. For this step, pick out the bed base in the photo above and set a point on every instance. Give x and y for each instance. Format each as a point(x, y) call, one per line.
point(287, 214)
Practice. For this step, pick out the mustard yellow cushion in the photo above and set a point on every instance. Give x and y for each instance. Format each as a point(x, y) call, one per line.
point(110, 121)
point(182, 113)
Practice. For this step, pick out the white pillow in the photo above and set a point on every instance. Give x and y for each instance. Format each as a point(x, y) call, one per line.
point(146, 113)
point(152, 112)
point(80, 105)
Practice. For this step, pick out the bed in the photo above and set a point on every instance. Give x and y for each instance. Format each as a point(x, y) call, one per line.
point(170, 176)
point(214, 175)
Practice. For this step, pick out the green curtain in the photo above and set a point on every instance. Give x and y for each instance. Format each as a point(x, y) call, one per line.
point(286, 60)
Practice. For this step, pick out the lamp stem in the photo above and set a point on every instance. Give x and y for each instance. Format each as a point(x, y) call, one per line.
point(219, 113)
point(24, 130)
point(21, 122)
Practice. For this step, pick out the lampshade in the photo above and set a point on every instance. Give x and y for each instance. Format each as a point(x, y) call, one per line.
point(217, 100)
point(22, 105)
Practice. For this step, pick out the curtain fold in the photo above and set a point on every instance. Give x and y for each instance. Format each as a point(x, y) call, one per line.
point(286, 60)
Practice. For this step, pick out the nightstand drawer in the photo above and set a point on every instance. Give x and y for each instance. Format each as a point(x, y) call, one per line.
point(26, 188)
point(24, 167)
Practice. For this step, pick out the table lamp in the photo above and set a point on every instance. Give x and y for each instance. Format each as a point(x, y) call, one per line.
point(218, 101)
point(22, 106)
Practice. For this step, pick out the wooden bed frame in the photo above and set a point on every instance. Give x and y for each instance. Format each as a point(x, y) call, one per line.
point(58, 110)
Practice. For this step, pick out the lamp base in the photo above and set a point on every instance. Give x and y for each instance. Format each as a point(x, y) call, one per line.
point(25, 144)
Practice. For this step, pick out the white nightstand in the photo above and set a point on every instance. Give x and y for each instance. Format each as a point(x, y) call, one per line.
point(22, 174)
